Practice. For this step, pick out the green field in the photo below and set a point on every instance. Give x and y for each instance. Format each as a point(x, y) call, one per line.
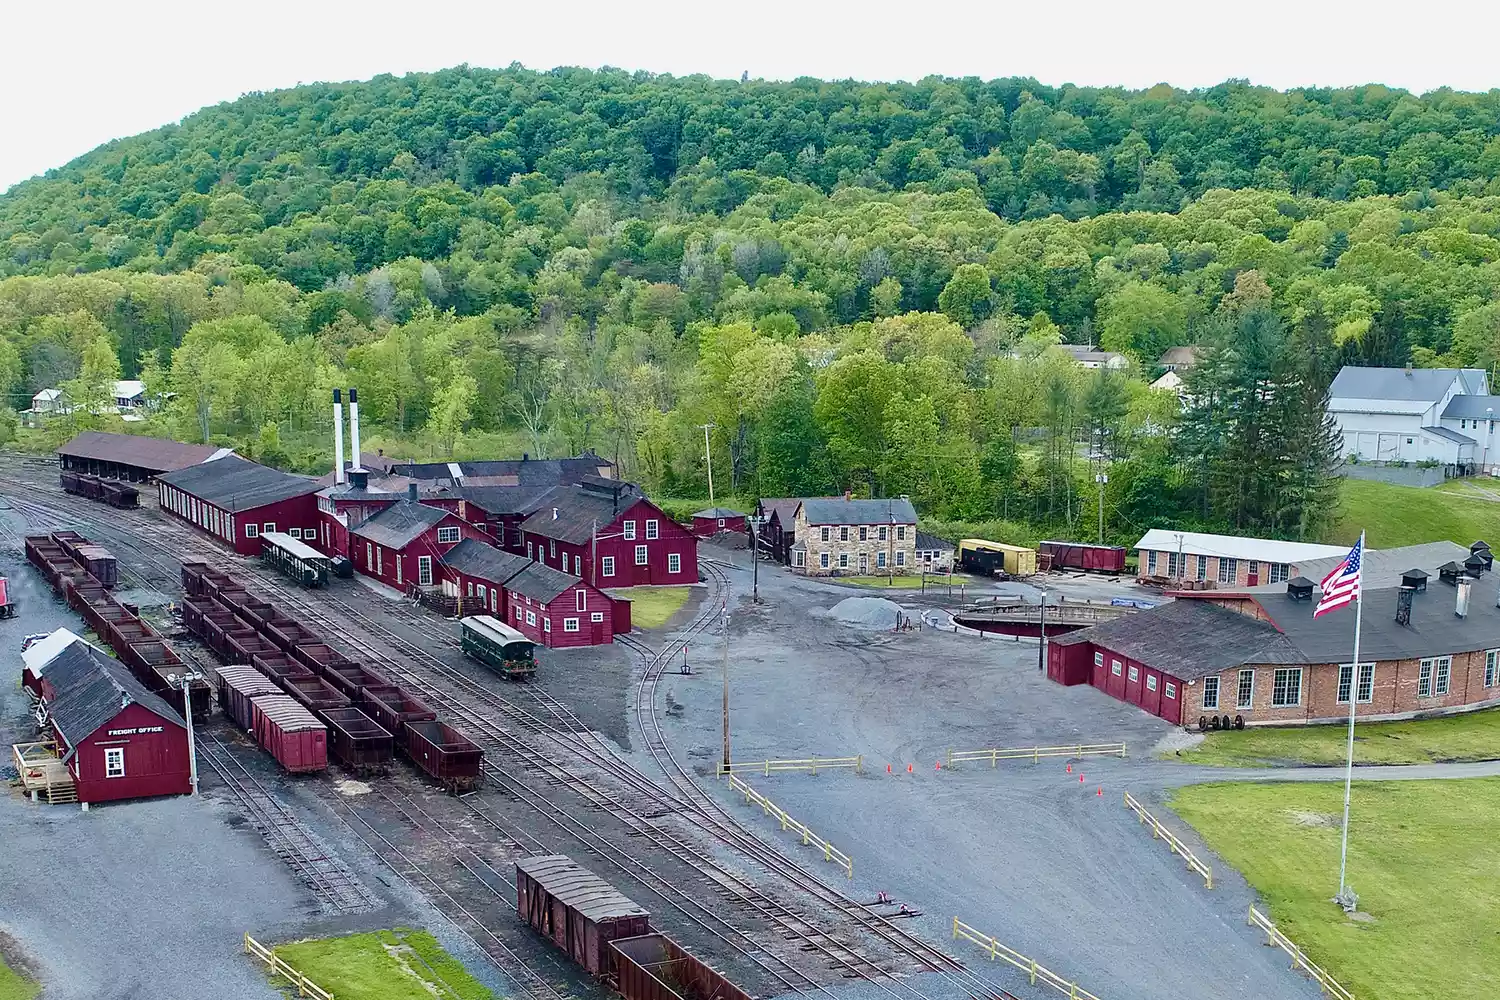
point(1421, 857)
point(1475, 736)
point(900, 582)
point(14, 986)
point(385, 965)
point(1392, 516)
point(651, 607)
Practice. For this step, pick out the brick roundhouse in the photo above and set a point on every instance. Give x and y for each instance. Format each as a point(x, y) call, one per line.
point(1261, 657)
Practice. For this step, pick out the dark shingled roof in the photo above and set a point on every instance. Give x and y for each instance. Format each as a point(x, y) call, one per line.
point(1190, 638)
point(841, 511)
point(514, 471)
point(1434, 629)
point(540, 583)
point(578, 511)
point(400, 524)
point(475, 558)
point(235, 484)
point(151, 454)
point(785, 508)
point(91, 689)
point(504, 499)
point(927, 542)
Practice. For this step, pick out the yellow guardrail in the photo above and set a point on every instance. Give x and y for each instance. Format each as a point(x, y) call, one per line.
point(996, 754)
point(1038, 973)
point(830, 853)
point(305, 987)
point(1300, 961)
point(1160, 832)
point(813, 764)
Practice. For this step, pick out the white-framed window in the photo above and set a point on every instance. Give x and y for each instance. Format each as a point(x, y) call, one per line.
point(552, 548)
point(823, 533)
point(1366, 691)
point(1171, 691)
point(380, 560)
point(901, 558)
point(114, 762)
point(479, 591)
point(495, 600)
point(424, 570)
point(570, 624)
point(468, 589)
point(1174, 565)
point(864, 533)
point(843, 560)
point(1280, 572)
point(880, 560)
point(799, 558)
point(399, 558)
point(1115, 667)
point(449, 534)
point(546, 623)
point(1150, 682)
point(515, 612)
point(1244, 697)
point(252, 531)
point(880, 536)
point(1203, 567)
point(1229, 570)
point(640, 555)
point(596, 616)
point(649, 535)
point(1098, 659)
point(369, 552)
point(530, 554)
point(577, 565)
point(1135, 674)
point(1210, 692)
point(295, 532)
point(628, 531)
point(1433, 677)
point(1287, 688)
point(674, 562)
point(1424, 679)
point(823, 560)
point(607, 565)
point(531, 618)
point(652, 529)
point(268, 527)
point(1491, 664)
point(582, 599)
point(1150, 562)
point(843, 532)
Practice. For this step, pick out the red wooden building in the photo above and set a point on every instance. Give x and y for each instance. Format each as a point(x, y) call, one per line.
point(483, 577)
point(402, 544)
point(233, 500)
point(556, 609)
point(635, 541)
point(716, 519)
point(499, 510)
point(116, 739)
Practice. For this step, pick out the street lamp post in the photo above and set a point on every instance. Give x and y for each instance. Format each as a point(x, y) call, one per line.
point(186, 680)
point(755, 523)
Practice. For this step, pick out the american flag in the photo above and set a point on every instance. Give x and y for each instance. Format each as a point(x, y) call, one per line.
point(1341, 586)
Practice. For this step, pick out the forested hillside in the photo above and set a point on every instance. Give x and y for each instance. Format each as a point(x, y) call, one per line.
point(857, 284)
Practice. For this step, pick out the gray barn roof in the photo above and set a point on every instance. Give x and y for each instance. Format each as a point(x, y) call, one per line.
point(1378, 567)
point(1411, 384)
point(504, 499)
point(1471, 407)
point(151, 454)
point(1448, 435)
point(236, 484)
point(718, 512)
point(1190, 638)
point(577, 513)
point(841, 511)
point(475, 558)
point(511, 471)
point(91, 689)
point(400, 524)
point(927, 542)
point(540, 583)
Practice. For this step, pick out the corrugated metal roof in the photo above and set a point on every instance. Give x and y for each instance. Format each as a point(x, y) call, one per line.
point(91, 689)
point(841, 511)
point(1273, 550)
point(475, 558)
point(151, 454)
point(400, 524)
point(1407, 384)
point(579, 888)
point(236, 484)
point(287, 714)
point(247, 680)
point(540, 583)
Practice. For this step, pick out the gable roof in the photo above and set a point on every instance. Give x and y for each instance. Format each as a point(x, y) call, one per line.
point(1377, 567)
point(511, 471)
point(1471, 407)
point(400, 524)
point(540, 582)
point(235, 484)
point(1179, 356)
point(1405, 384)
point(42, 652)
point(569, 514)
point(153, 454)
point(714, 513)
point(504, 499)
point(841, 511)
point(475, 558)
point(784, 509)
point(91, 689)
point(1197, 543)
point(1190, 639)
point(926, 541)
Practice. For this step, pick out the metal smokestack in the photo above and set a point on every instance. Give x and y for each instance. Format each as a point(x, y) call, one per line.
point(354, 428)
point(338, 437)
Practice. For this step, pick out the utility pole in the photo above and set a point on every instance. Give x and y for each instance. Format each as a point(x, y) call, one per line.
point(754, 520)
point(708, 457)
point(1180, 572)
point(726, 679)
point(186, 680)
point(1102, 479)
point(594, 554)
point(1041, 649)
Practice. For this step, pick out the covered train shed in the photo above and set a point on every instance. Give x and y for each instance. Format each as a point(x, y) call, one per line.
point(131, 456)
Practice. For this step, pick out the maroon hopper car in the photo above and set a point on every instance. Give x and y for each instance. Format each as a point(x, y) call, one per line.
point(577, 909)
point(317, 656)
point(288, 633)
point(278, 667)
point(357, 741)
point(394, 708)
point(315, 693)
point(654, 967)
point(238, 685)
point(1081, 555)
point(352, 678)
point(444, 753)
point(298, 741)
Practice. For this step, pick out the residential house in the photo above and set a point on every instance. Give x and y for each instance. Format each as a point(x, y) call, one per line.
point(47, 401)
point(1175, 359)
point(401, 545)
point(934, 554)
point(610, 537)
point(855, 537)
point(778, 525)
point(1090, 356)
point(130, 395)
point(1415, 415)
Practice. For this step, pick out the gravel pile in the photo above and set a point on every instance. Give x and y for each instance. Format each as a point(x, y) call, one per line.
point(867, 612)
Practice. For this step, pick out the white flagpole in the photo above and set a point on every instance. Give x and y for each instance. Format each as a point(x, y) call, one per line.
point(1359, 604)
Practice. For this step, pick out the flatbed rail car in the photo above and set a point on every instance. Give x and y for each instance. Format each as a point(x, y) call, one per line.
point(1082, 556)
point(579, 911)
point(294, 559)
point(498, 646)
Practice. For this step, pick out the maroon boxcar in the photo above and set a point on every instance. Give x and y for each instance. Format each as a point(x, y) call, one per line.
point(654, 967)
point(358, 741)
point(393, 708)
point(1083, 556)
point(315, 693)
point(238, 686)
point(577, 909)
point(444, 753)
point(298, 741)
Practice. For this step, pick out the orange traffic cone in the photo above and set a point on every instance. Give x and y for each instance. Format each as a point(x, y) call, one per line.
point(1100, 792)
point(1080, 779)
point(888, 769)
point(908, 769)
point(1070, 768)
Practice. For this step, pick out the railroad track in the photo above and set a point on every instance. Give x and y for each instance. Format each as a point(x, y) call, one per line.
point(684, 795)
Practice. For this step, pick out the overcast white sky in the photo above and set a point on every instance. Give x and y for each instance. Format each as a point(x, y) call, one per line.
point(74, 75)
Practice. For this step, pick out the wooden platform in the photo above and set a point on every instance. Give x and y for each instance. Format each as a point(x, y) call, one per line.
point(43, 776)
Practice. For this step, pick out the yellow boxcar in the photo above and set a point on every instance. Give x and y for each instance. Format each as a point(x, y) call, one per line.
point(979, 555)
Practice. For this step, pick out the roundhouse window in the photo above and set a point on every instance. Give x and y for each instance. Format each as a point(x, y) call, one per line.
point(1211, 692)
point(1287, 689)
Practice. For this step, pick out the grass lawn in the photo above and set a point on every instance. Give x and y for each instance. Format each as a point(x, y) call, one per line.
point(910, 582)
point(1393, 516)
point(650, 607)
point(385, 965)
point(1421, 857)
point(1475, 736)
point(14, 986)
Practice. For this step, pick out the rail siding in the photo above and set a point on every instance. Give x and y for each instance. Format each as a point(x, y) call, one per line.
point(830, 853)
point(1159, 832)
point(305, 987)
point(1300, 962)
point(1037, 972)
point(1034, 754)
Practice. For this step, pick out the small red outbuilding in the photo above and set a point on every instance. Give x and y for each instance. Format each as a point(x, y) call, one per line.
point(716, 519)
